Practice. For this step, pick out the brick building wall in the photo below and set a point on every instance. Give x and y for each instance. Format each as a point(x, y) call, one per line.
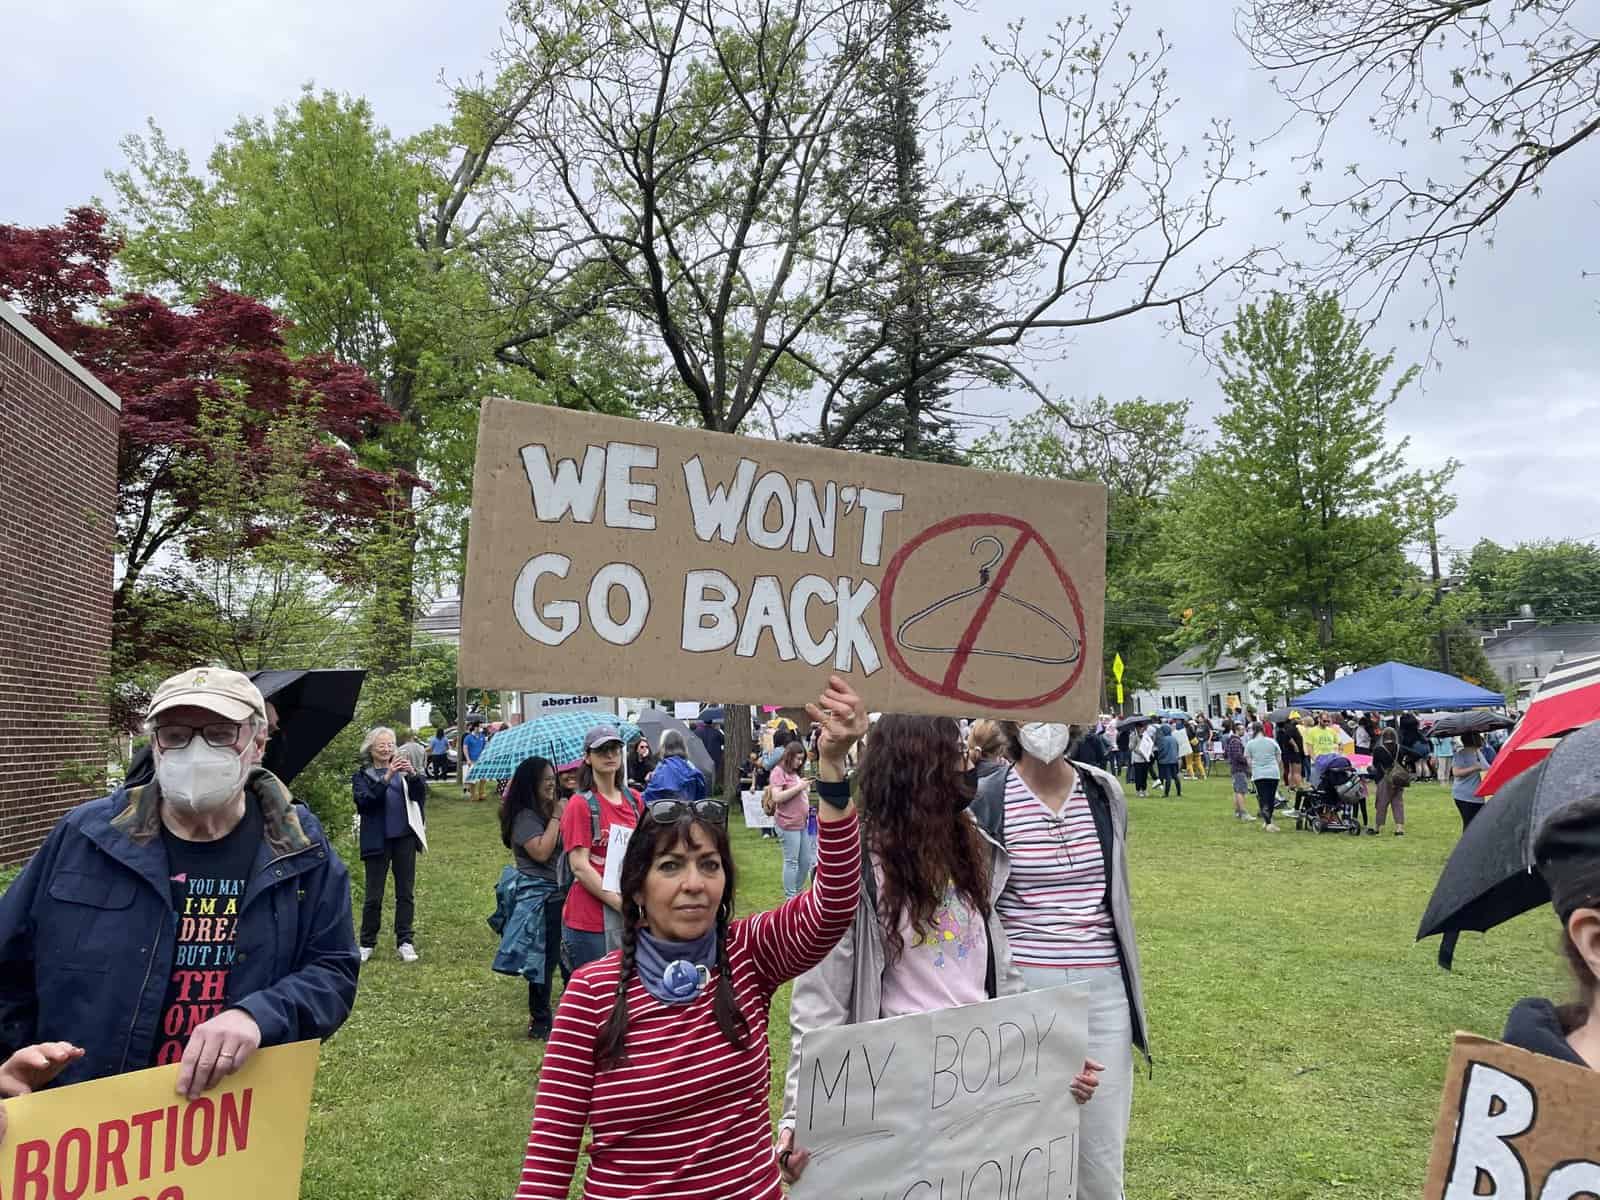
point(58, 492)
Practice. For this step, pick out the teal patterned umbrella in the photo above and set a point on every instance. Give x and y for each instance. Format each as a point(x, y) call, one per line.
point(557, 736)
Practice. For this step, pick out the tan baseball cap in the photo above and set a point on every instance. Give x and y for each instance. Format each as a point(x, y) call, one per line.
point(227, 693)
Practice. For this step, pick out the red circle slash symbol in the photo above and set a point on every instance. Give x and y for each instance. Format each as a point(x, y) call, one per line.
point(950, 686)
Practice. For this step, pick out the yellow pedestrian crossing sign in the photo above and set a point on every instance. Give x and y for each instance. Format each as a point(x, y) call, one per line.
point(1116, 667)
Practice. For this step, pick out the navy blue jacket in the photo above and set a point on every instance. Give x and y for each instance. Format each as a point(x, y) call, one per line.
point(88, 934)
point(368, 794)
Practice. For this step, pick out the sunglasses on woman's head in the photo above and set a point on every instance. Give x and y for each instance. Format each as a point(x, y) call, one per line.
point(665, 812)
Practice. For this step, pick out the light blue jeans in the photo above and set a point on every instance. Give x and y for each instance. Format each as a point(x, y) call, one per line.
point(1103, 1122)
point(799, 858)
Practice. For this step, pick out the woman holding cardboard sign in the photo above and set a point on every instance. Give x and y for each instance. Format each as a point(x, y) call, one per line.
point(660, 1049)
point(927, 935)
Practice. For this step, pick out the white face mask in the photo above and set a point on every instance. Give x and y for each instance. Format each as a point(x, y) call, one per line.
point(1046, 742)
point(200, 777)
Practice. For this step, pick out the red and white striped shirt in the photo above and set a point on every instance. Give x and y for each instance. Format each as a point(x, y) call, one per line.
point(688, 1115)
point(1054, 904)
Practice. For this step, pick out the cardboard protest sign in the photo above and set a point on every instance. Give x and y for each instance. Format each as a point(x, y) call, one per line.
point(620, 555)
point(1515, 1124)
point(131, 1137)
point(966, 1102)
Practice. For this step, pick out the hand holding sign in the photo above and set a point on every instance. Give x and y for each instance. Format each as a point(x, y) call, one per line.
point(217, 1049)
point(843, 718)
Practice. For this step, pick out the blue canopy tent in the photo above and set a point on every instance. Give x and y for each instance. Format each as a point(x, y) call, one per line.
point(1393, 687)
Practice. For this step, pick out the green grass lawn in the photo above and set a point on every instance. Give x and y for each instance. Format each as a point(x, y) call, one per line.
point(1300, 1037)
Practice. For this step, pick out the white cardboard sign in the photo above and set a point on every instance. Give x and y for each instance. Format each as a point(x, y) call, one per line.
point(754, 816)
point(616, 848)
point(967, 1102)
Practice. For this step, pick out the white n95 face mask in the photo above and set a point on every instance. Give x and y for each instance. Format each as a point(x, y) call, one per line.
point(1045, 741)
point(200, 777)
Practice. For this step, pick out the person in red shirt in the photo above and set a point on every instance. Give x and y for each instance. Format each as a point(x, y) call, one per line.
point(660, 1048)
point(590, 920)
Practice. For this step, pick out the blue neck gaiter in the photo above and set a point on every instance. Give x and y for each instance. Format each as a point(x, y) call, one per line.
point(675, 972)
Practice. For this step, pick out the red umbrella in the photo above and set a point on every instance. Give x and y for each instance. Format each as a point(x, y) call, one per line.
point(1567, 699)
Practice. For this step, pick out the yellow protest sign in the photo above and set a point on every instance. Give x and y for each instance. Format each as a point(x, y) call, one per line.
point(132, 1137)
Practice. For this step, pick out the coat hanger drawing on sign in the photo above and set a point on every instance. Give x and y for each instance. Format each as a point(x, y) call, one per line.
point(981, 586)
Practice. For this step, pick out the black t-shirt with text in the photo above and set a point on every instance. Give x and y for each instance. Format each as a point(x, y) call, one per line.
point(208, 883)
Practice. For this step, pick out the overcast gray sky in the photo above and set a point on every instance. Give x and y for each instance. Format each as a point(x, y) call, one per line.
point(1520, 407)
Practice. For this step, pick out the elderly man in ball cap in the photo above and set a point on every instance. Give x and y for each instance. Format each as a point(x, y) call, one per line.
point(190, 920)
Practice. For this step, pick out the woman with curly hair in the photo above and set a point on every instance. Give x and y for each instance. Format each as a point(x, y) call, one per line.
point(1067, 912)
point(926, 935)
point(660, 1048)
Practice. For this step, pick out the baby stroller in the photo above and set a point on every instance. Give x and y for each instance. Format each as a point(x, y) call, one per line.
point(1333, 805)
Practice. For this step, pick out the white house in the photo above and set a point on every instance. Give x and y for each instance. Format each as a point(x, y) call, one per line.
point(1184, 683)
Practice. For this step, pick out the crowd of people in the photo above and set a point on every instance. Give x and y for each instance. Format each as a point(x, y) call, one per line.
point(1271, 760)
point(957, 862)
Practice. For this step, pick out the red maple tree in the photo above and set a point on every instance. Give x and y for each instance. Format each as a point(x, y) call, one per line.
point(166, 362)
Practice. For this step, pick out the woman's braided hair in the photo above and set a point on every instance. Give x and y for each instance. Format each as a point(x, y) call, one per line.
point(650, 840)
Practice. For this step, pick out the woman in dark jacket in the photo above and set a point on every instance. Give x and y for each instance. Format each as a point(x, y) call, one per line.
point(1568, 854)
point(381, 789)
point(641, 761)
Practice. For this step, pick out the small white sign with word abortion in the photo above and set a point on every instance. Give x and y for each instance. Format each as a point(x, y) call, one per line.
point(968, 1103)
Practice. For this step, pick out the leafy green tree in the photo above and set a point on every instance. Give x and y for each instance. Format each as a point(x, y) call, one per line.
point(1558, 580)
point(366, 243)
point(1137, 449)
point(1288, 540)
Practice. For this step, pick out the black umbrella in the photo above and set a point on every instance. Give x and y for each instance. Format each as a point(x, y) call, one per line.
point(1490, 876)
point(1479, 720)
point(312, 706)
point(1133, 722)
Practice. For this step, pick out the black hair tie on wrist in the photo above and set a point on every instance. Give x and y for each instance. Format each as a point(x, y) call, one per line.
point(834, 792)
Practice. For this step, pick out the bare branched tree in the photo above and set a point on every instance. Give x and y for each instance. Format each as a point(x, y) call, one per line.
point(1508, 89)
point(677, 167)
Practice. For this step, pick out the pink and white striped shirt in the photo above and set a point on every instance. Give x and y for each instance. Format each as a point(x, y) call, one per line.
point(688, 1115)
point(1054, 904)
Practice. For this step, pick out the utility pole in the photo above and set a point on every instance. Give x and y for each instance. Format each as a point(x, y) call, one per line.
point(1438, 594)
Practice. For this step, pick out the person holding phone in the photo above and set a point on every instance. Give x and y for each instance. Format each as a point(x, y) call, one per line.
point(381, 789)
point(660, 1047)
point(791, 814)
